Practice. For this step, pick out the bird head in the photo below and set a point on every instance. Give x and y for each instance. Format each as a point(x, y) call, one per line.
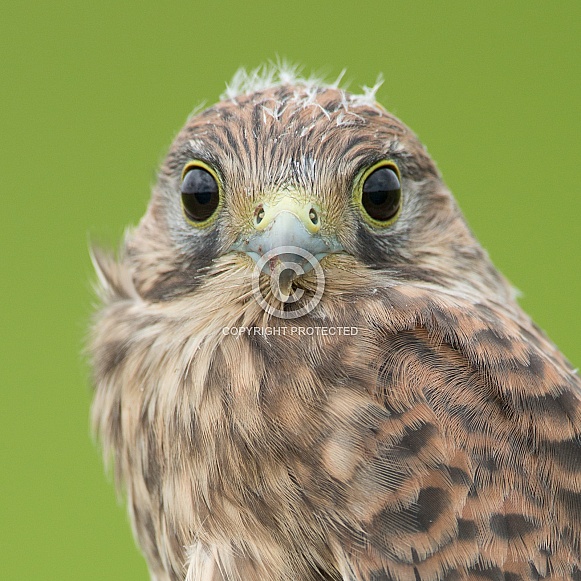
point(293, 178)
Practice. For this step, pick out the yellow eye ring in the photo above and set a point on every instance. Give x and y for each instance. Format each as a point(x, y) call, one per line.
point(201, 194)
point(378, 194)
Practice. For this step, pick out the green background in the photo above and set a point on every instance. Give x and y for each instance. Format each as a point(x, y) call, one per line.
point(91, 94)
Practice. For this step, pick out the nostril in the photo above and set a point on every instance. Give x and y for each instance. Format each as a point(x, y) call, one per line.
point(259, 214)
point(313, 216)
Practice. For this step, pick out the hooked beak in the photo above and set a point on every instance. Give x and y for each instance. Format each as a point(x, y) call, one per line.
point(286, 240)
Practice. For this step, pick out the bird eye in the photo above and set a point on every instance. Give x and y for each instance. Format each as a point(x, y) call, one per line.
point(200, 194)
point(381, 194)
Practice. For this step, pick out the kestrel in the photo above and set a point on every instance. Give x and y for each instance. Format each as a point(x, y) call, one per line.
point(407, 422)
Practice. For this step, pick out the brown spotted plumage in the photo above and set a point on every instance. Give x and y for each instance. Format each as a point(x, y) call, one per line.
point(437, 436)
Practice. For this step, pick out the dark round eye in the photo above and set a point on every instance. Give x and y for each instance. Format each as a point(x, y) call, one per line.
point(381, 195)
point(200, 194)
